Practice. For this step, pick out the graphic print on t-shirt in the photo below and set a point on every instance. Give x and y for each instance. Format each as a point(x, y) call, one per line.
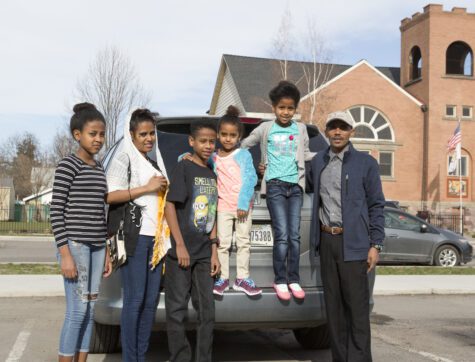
point(284, 144)
point(205, 199)
point(282, 153)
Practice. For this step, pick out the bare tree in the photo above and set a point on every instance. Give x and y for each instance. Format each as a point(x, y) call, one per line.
point(317, 68)
point(18, 158)
point(42, 176)
point(113, 85)
point(63, 144)
point(309, 51)
point(283, 43)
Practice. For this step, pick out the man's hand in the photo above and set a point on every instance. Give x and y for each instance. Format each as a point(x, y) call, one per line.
point(215, 264)
point(373, 257)
point(68, 267)
point(242, 215)
point(183, 256)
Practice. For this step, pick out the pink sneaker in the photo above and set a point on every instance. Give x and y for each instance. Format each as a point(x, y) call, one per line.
point(297, 290)
point(282, 291)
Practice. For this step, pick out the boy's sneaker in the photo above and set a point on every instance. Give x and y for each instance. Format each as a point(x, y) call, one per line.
point(297, 290)
point(282, 291)
point(220, 286)
point(247, 286)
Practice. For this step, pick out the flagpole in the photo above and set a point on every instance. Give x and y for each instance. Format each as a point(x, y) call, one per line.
point(460, 193)
point(460, 178)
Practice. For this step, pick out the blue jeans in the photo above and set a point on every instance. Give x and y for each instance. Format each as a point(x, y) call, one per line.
point(284, 201)
point(141, 287)
point(81, 295)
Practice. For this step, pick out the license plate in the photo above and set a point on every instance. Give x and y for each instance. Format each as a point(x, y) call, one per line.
point(261, 235)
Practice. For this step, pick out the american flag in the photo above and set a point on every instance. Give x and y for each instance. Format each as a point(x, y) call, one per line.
point(455, 140)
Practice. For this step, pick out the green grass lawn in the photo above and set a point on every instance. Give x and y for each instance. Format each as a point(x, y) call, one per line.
point(424, 270)
point(22, 227)
point(12, 268)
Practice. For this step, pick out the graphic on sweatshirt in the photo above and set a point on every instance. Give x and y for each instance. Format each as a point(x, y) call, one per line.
point(205, 198)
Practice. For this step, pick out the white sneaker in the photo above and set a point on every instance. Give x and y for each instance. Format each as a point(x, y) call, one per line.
point(282, 291)
point(297, 290)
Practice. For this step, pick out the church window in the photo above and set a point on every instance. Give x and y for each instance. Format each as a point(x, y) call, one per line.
point(450, 111)
point(370, 124)
point(457, 167)
point(386, 164)
point(459, 59)
point(374, 135)
point(415, 59)
point(467, 112)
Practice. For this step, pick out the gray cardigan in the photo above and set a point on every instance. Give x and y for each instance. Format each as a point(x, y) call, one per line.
point(261, 134)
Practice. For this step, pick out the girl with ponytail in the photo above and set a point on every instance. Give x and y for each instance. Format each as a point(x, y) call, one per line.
point(79, 227)
point(236, 180)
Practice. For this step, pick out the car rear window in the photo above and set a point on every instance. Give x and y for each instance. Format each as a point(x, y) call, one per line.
point(172, 139)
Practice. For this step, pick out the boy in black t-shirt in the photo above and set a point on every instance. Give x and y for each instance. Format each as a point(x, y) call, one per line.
point(192, 262)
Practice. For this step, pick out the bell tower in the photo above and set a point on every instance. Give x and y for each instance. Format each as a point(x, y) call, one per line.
point(437, 68)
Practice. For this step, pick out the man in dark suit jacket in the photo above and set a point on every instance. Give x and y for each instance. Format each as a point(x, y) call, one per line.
point(348, 233)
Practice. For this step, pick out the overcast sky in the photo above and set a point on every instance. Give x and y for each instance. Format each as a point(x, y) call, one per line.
point(175, 45)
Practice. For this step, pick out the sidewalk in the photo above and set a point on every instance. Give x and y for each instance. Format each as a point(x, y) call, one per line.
point(424, 284)
point(52, 285)
point(26, 237)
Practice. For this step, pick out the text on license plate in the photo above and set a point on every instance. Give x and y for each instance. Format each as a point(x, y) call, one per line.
point(261, 235)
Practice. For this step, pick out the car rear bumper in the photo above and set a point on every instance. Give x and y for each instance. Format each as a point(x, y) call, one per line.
point(467, 254)
point(238, 311)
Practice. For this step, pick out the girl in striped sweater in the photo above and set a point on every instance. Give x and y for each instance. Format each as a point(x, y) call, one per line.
point(79, 226)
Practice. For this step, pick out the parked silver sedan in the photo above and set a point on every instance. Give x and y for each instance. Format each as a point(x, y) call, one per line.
point(411, 240)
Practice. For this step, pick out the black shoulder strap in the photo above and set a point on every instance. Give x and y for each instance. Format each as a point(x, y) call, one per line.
point(129, 172)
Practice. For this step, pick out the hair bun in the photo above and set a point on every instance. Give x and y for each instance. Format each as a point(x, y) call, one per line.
point(83, 107)
point(232, 111)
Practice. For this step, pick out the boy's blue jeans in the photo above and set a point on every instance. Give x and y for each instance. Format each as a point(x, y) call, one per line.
point(141, 287)
point(81, 295)
point(284, 201)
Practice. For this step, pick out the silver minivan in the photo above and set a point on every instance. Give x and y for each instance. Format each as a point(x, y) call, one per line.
point(235, 310)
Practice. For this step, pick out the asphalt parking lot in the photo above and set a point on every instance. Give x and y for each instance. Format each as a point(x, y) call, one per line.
point(405, 328)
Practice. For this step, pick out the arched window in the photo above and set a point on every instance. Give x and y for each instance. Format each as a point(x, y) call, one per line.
point(459, 59)
point(370, 124)
point(415, 59)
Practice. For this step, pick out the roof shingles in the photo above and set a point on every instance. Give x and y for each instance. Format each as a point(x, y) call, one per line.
point(254, 77)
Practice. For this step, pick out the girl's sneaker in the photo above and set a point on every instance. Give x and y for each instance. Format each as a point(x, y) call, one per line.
point(282, 291)
point(220, 286)
point(297, 290)
point(247, 286)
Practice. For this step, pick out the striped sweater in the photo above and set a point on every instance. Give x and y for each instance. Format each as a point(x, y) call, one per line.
point(78, 206)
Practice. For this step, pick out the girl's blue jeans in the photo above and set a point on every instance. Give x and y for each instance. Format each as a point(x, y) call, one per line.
point(81, 295)
point(284, 201)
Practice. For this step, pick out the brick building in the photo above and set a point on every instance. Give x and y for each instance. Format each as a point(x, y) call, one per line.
point(404, 116)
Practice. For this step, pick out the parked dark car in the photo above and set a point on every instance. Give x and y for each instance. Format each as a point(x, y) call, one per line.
point(410, 239)
point(235, 310)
